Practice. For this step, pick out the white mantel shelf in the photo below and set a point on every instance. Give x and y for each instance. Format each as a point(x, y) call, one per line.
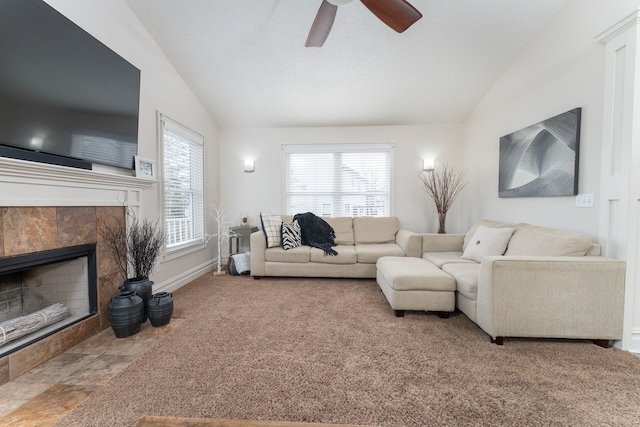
point(24, 183)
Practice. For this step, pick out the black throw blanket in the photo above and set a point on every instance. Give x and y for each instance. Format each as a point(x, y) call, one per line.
point(316, 232)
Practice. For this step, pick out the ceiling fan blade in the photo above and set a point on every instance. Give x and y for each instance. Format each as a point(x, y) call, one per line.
point(322, 25)
point(397, 14)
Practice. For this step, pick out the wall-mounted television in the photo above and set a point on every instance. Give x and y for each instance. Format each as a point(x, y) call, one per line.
point(65, 98)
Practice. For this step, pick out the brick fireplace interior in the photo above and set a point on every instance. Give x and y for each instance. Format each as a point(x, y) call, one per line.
point(29, 230)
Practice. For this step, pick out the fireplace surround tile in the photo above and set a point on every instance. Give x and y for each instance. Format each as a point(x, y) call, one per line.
point(5, 375)
point(29, 229)
point(76, 225)
point(31, 356)
point(79, 332)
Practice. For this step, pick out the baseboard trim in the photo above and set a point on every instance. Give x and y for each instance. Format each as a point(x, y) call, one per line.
point(179, 281)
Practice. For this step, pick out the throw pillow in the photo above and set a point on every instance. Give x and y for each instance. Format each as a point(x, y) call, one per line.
point(271, 226)
point(291, 235)
point(487, 241)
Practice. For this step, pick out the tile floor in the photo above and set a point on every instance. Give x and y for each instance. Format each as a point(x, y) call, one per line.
point(48, 392)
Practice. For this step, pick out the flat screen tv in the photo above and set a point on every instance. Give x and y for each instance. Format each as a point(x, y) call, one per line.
point(65, 98)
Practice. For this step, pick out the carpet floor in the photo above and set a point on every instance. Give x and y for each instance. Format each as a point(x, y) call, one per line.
point(331, 351)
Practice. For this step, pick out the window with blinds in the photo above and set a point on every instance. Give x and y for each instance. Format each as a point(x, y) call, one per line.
point(338, 180)
point(183, 185)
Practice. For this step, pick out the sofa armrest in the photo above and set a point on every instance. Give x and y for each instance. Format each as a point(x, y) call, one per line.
point(258, 246)
point(409, 242)
point(441, 242)
point(551, 297)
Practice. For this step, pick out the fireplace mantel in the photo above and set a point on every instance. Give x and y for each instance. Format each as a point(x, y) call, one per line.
point(24, 183)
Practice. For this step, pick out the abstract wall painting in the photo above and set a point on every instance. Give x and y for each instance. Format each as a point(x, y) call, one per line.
point(541, 160)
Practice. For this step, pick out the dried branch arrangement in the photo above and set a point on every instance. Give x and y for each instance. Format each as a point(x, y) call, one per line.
point(223, 232)
point(443, 187)
point(136, 247)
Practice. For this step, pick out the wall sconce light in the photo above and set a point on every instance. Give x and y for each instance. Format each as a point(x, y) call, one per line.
point(249, 166)
point(428, 165)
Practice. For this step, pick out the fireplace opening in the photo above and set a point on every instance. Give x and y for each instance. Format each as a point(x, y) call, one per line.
point(44, 292)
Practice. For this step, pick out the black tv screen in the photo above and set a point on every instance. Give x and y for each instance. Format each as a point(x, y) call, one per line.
point(62, 92)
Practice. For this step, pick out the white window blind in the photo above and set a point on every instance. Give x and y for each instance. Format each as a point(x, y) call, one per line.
point(337, 179)
point(183, 185)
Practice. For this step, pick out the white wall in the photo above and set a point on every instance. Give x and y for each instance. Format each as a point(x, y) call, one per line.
point(162, 89)
point(262, 190)
point(562, 69)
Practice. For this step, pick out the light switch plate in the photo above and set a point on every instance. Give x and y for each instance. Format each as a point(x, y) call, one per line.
point(585, 200)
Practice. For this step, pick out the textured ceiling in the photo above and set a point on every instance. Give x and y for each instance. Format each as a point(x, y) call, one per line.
point(246, 60)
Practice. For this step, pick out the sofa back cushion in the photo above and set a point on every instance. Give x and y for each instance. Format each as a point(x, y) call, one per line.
point(343, 228)
point(375, 230)
point(486, 223)
point(541, 241)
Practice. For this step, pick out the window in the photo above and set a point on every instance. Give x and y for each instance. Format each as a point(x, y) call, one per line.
point(182, 151)
point(338, 179)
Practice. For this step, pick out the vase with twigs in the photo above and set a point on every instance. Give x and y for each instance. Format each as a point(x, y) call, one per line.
point(136, 246)
point(443, 187)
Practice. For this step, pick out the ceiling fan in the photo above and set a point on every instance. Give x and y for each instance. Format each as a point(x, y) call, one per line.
point(397, 14)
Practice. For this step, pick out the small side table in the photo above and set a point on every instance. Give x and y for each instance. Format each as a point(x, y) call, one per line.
point(241, 232)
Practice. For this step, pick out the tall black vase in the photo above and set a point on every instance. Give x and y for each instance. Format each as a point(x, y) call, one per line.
point(125, 314)
point(141, 287)
point(160, 308)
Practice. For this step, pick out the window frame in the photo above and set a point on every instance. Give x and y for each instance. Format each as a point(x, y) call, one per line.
point(337, 148)
point(198, 243)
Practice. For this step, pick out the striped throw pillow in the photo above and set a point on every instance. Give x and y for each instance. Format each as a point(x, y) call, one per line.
point(291, 235)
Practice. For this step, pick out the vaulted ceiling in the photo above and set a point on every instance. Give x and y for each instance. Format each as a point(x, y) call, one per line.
point(247, 63)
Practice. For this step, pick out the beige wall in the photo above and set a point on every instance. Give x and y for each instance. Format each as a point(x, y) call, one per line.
point(562, 69)
point(262, 190)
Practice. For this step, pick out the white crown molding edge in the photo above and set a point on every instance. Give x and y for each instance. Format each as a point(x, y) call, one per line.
point(620, 27)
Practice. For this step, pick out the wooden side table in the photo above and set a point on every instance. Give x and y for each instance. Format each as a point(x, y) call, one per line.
point(241, 232)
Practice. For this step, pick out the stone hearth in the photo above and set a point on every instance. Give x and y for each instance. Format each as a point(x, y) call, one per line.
point(26, 230)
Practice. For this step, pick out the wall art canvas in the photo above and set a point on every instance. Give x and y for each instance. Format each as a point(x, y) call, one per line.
point(542, 159)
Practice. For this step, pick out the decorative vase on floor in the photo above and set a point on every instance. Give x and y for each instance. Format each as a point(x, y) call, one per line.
point(125, 314)
point(141, 287)
point(160, 308)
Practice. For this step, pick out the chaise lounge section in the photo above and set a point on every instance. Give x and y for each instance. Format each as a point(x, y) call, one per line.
point(536, 282)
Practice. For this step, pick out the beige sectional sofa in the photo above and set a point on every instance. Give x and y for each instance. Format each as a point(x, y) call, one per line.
point(548, 284)
point(360, 243)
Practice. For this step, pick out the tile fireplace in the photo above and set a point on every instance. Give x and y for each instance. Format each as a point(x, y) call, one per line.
point(64, 278)
point(67, 240)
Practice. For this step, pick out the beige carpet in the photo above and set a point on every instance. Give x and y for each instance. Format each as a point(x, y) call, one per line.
point(331, 351)
point(150, 421)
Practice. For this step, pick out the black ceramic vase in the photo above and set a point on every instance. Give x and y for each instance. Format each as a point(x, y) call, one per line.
point(125, 314)
point(160, 308)
point(141, 287)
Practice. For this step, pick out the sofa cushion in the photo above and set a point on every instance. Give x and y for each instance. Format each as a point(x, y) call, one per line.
point(410, 274)
point(299, 254)
point(346, 255)
point(271, 225)
point(291, 235)
point(466, 275)
point(487, 241)
point(441, 258)
point(533, 240)
point(486, 223)
point(343, 228)
point(375, 230)
point(369, 254)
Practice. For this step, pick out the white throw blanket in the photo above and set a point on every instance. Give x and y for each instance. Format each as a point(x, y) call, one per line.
point(242, 262)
